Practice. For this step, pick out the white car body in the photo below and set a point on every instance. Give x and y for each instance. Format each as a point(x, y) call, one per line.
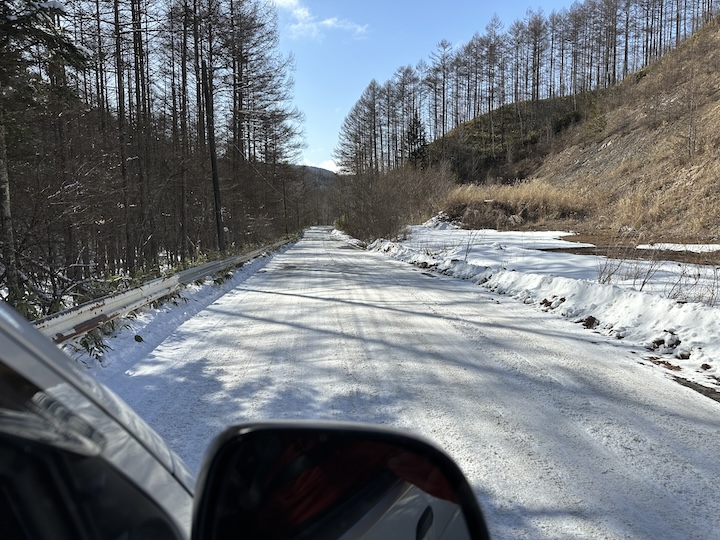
point(48, 402)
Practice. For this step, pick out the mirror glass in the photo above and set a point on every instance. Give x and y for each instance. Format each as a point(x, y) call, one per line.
point(290, 482)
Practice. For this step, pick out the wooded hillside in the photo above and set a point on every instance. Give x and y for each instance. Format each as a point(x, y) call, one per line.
point(642, 161)
point(503, 76)
point(112, 115)
point(608, 107)
point(652, 162)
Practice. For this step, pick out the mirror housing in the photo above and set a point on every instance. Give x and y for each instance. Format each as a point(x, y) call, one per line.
point(331, 480)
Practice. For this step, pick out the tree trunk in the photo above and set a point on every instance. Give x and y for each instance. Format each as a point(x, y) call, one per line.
point(129, 247)
point(8, 250)
point(207, 90)
point(185, 143)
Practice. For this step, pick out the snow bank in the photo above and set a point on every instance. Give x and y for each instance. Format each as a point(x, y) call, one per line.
point(682, 336)
point(140, 334)
point(685, 331)
point(347, 238)
point(694, 248)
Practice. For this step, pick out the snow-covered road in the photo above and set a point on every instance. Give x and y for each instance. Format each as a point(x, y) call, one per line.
point(561, 431)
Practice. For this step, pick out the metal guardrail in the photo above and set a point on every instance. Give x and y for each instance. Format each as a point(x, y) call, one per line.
point(80, 319)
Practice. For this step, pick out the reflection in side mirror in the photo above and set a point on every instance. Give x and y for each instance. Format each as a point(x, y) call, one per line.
point(316, 480)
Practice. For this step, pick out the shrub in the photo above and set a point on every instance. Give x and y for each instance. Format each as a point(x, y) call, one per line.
point(500, 206)
point(380, 205)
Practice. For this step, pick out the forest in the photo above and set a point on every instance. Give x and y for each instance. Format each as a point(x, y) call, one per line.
point(137, 136)
point(506, 77)
point(142, 136)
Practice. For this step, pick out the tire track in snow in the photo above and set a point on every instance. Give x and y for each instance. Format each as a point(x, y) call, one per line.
point(628, 469)
point(560, 436)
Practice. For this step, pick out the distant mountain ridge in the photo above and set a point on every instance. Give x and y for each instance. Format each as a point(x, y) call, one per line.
point(318, 177)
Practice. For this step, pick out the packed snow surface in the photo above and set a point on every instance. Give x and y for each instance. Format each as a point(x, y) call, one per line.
point(563, 431)
point(694, 248)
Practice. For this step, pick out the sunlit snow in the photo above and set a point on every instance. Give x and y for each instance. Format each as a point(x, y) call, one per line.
point(555, 393)
point(668, 307)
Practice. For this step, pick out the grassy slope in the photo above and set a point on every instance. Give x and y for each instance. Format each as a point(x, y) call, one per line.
point(647, 158)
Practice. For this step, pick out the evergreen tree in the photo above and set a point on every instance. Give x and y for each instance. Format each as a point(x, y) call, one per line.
point(417, 143)
point(26, 28)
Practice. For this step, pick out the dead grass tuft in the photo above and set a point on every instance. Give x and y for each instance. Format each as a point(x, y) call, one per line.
point(502, 206)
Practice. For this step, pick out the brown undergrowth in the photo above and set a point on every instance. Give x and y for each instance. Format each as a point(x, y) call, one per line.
point(646, 162)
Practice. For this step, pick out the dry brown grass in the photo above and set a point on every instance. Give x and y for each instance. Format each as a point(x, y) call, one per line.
point(533, 203)
point(648, 163)
point(655, 166)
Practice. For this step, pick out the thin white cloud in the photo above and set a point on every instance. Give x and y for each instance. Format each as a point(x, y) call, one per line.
point(308, 25)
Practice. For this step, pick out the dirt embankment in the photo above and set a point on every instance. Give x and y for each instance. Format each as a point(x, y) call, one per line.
point(653, 164)
point(625, 248)
point(644, 163)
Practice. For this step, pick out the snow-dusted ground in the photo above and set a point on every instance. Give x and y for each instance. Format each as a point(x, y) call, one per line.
point(656, 304)
point(564, 432)
point(694, 248)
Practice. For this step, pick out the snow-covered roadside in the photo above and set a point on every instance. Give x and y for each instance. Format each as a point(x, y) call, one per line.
point(681, 336)
point(558, 433)
point(684, 337)
point(138, 336)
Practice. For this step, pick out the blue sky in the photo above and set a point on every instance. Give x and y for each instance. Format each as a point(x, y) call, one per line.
point(341, 45)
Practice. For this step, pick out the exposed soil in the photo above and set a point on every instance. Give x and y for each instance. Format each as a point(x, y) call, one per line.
point(664, 363)
point(625, 248)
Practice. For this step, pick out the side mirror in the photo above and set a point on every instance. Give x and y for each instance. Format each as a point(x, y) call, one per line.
point(325, 480)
